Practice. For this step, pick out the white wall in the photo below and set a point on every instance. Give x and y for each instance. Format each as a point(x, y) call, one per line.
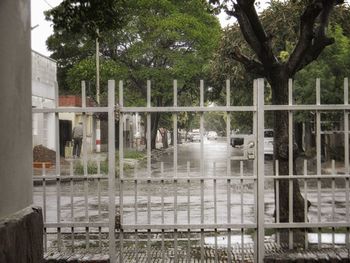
point(44, 78)
point(15, 107)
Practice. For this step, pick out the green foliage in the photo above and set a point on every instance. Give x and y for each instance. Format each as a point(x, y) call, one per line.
point(331, 67)
point(161, 40)
point(91, 168)
point(132, 154)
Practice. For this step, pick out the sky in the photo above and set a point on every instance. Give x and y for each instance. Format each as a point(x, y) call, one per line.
point(43, 29)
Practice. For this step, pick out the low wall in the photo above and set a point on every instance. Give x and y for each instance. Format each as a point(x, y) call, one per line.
point(21, 236)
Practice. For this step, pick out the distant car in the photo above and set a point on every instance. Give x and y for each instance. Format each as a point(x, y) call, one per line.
point(237, 139)
point(195, 137)
point(212, 135)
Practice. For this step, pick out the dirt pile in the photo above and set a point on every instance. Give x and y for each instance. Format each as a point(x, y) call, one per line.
point(43, 154)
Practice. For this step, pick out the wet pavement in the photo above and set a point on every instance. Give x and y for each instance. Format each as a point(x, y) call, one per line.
point(190, 199)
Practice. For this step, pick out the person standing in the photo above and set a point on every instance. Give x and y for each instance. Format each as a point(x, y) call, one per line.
point(77, 139)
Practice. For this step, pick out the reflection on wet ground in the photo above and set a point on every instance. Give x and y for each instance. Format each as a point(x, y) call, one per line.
point(189, 198)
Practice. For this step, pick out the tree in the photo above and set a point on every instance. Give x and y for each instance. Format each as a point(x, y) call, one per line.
point(160, 41)
point(311, 40)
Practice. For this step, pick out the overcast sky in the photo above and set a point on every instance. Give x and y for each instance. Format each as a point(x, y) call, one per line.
point(43, 28)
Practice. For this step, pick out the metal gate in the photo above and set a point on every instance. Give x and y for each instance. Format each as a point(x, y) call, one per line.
point(213, 212)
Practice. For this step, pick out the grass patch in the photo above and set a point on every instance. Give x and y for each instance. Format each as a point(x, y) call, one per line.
point(92, 165)
point(131, 154)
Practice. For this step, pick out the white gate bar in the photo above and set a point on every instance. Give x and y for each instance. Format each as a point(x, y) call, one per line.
point(228, 129)
point(175, 153)
point(121, 130)
point(318, 127)
point(162, 189)
point(308, 107)
point(175, 129)
point(121, 164)
point(188, 194)
point(318, 156)
point(305, 204)
point(261, 168)
point(290, 158)
point(111, 168)
point(58, 167)
point(84, 155)
point(255, 165)
point(346, 156)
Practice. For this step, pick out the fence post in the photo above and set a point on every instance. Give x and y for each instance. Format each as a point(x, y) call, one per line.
point(260, 174)
point(111, 168)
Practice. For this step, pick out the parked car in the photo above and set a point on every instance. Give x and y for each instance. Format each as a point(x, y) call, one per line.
point(268, 142)
point(212, 135)
point(237, 138)
point(195, 137)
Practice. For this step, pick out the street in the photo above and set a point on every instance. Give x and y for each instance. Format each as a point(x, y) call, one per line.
point(163, 200)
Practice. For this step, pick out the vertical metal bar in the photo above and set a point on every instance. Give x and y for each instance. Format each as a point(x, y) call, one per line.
point(163, 247)
point(188, 194)
point(318, 153)
point(149, 137)
point(333, 200)
point(242, 211)
point(111, 170)
point(136, 246)
point(43, 172)
point(228, 166)
point(72, 201)
point(347, 190)
point(99, 205)
point(135, 197)
point(149, 189)
point(277, 199)
point(229, 249)
point(228, 129)
point(149, 245)
point(215, 214)
point(86, 190)
point(121, 162)
point(241, 194)
point(261, 168)
point(188, 245)
point(346, 156)
point(290, 158)
point(305, 203)
point(202, 165)
point(58, 168)
point(255, 165)
point(162, 190)
point(175, 246)
point(175, 152)
point(44, 206)
point(319, 209)
point(228, 201)
point(148, 129)
point(318, 127)
point(216, 245)
point(215, 197)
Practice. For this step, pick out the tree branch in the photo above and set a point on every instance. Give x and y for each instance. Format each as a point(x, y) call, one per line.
point(312, 40)
point(250, 65)
point(254, 32)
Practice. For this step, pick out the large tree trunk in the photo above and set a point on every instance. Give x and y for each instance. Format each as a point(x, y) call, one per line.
point(281, 145)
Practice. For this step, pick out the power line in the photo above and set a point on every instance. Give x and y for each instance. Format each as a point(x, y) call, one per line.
point(48, 3)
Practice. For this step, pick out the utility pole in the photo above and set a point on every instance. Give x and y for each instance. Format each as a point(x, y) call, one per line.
point(98, 123)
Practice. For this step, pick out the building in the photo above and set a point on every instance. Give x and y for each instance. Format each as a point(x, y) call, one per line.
point(44, 83)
